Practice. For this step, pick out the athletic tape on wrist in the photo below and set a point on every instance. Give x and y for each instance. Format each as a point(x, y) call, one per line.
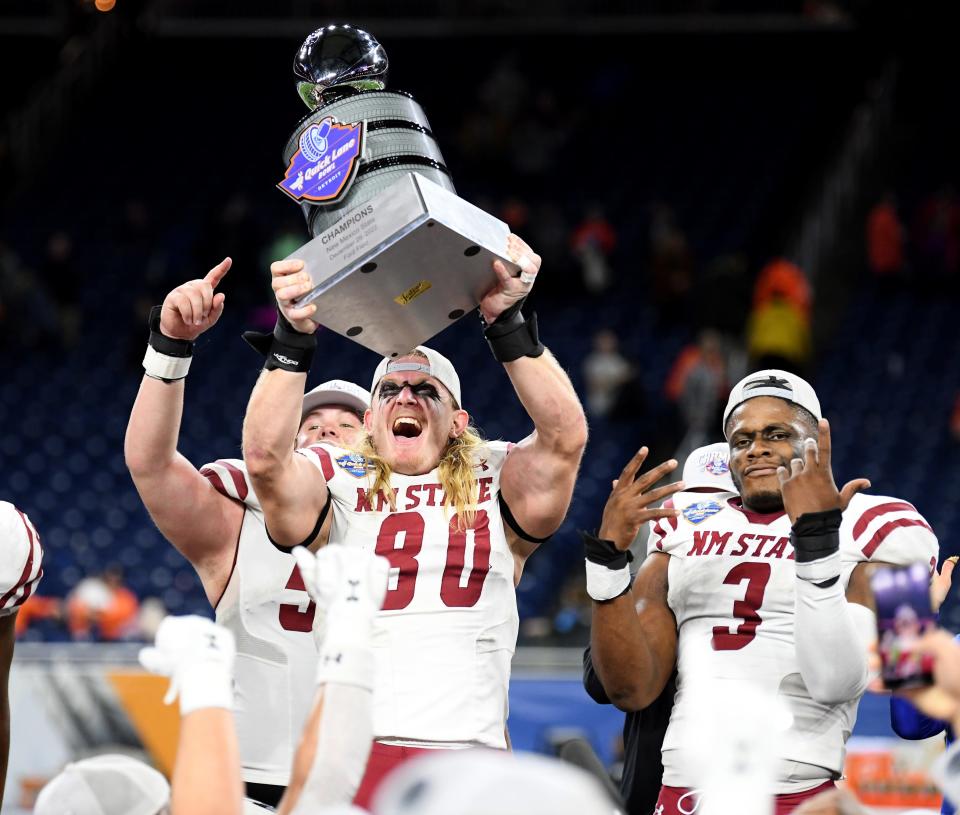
point(816, 535)
point(160, 366)
point(167, 358)
point(608, 569)
point(823, 573)
point(285, 348)
point(510, 336)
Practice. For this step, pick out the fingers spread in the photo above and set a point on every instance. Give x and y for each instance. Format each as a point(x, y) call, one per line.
point(633, 466)
point(650, 478)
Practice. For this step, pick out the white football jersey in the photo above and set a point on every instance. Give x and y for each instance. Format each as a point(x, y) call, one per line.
point(21, 558)
point(731, 587)
point(448, 629)
point(266, 606)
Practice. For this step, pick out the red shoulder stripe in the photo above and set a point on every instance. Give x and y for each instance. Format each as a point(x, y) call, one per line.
point(881, 534)
point(668, 504)
point(658, 530)
point(875, 512)
point(326, 466)
point(25, 574)
point(238, 479)
point(214, 478)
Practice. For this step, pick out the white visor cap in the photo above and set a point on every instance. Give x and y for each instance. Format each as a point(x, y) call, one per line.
point(105, 785)
point(709, 467)
point(481, 782)
point(782, 384)
point(435, 365)
point(336, 392)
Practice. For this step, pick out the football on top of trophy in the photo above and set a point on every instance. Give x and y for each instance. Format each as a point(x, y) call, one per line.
point(337, 60)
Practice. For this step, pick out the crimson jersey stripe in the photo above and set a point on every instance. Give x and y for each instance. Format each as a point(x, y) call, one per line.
point(881, 534)
point(875, 512)
point(668, 504)
point(27, 569)
point(214, 478)
point(326, 466)
point(238, 480)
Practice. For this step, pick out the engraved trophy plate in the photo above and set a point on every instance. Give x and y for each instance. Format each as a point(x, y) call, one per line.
point(402, 266)
point(396, 256)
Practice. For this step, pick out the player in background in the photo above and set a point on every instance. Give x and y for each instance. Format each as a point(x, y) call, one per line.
point(706, 470)
point(21, 567)
point(213, 518)
point(455, 515)
point(771, 584)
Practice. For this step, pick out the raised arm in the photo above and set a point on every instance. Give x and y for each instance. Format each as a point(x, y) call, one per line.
point(292, 492)
point(538, 476)
point(348, 585)
point(200, 522)
point(633, 636)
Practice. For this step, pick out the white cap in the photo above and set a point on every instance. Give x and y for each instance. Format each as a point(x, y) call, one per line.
point(336, 392)
point(105, 785)
point(436, 365)
point(481, 782)
point(709, 467)
point(781, 384)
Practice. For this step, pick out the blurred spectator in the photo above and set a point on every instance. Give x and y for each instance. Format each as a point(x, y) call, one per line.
point(28, 317)
point(697, 384)
point(571, 622)
point(102, 608)
point(936, 235)
point(62, 278)
point(671, 263)
point(35, 609)
point(782, 280)
point(778, 336)
point(593, 241)
point(885, 236)
point(778, 329)
point(606, 371)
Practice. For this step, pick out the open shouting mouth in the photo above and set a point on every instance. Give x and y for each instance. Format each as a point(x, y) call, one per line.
point(406, 427)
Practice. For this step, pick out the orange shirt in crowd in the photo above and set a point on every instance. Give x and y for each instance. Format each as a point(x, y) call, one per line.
point(781, 279)
point(884, 240)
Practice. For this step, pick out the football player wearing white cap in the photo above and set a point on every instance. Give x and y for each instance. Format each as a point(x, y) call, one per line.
point(771, 582)
point(454, 514)
point(213, 518)
point(21, 567)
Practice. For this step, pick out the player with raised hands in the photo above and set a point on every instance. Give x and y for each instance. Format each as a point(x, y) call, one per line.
point(213, 518)
point(455, 515)
point(767, 586)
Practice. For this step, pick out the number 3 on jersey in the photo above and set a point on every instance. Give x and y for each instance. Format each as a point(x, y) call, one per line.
point(400, 540)
point(748, 609)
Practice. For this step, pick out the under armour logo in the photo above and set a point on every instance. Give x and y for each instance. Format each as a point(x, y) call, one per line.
point(770, 382)
point(212, 642)
point(353, 591)
point(328, 658)
point(658, 810)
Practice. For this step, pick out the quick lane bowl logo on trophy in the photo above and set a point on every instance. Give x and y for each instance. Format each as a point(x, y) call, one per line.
point(396, 256)
point(325, 163)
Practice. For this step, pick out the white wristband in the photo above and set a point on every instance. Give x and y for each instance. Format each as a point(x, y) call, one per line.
point(604, 583)
point(346, 664)
point(161, 366)
point(818, 571)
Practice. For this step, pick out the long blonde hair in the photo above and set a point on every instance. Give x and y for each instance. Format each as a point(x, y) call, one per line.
point(455, 472)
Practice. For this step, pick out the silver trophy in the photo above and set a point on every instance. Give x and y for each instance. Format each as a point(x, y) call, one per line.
point(396, 256)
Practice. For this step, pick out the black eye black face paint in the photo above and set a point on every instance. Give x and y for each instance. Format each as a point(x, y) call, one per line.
point(422, 390)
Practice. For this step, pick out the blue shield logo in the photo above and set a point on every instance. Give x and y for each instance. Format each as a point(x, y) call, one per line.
point(699, 512)
point(353, 463)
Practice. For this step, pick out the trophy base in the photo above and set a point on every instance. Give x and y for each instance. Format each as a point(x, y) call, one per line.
point(397, 269)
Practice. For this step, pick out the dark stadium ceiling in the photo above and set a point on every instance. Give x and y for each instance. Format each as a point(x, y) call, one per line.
point(425, 18)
